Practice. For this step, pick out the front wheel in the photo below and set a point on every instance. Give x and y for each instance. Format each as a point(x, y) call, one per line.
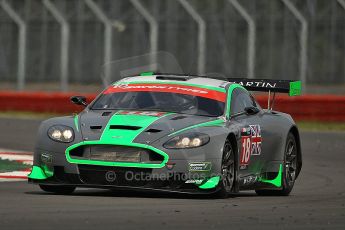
point(227, 170)
point(289, 170)
point(58, 189)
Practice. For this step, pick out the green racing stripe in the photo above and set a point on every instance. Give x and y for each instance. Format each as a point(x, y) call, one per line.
point(122, 137)
point(217, 122)
point(76, 122)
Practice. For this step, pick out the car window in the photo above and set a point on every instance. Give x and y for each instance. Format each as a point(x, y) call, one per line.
point(241, 99)
point(163, 97)
point(160, 101)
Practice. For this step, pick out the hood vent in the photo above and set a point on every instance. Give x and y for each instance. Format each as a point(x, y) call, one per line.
point(126, 127)
point(172, 78)
point(95, 127)
point(105, 114)
point(175, 77)
point(178, 118)
point(153, 130)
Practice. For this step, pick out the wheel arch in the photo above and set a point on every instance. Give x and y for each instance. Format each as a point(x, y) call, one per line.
point(295, 132)
point(233, 140)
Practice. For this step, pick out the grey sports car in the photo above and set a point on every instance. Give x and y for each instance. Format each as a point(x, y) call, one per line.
point(176, 133)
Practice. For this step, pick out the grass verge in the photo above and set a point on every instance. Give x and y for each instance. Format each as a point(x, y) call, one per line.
point(28, 115)
point(9, 166)
point(321, 126)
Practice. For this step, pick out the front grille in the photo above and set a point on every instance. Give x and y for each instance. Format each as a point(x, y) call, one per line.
point(116, 153)
point(61, 176)
point(131, 177)
point(123, 176)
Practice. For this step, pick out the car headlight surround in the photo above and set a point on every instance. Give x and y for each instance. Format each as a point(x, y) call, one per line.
point(187, 140)
point(61, 133)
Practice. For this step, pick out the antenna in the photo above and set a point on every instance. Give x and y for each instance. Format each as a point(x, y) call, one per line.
point(188, 73)
point(270, 103)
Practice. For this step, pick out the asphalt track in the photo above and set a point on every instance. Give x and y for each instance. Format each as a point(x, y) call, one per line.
point(317, 201)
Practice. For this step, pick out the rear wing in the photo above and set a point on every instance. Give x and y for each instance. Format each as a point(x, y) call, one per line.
point(293, 88)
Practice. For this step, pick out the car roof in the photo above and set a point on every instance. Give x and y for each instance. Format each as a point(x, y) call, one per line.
point(178, 79)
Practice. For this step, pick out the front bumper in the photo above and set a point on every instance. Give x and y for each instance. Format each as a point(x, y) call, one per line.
point(124, 178)
point(172, 175)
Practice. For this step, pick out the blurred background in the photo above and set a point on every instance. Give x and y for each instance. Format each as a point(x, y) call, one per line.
point(62, 45)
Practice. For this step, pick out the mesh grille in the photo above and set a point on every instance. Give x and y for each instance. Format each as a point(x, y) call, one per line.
point(114, 153)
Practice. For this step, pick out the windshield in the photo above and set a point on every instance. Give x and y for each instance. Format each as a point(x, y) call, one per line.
point(160, 97)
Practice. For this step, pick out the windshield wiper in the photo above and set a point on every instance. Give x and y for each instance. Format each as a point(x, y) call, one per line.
point(136, 109)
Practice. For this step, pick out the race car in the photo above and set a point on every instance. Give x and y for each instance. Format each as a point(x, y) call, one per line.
point(175, 133)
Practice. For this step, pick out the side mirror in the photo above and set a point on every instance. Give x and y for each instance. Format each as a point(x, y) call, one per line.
point(251, 110)
point(247, 110)
point(79, 100)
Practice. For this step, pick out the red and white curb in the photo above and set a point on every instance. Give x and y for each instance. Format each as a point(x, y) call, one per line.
point(18, 156)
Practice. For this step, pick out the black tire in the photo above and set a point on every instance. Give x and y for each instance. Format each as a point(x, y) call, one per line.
point(228, 168)
point(58, 189)
point(289, 169)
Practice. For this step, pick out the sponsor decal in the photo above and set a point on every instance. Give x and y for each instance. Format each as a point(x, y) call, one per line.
point(168, 88)
point(144, 113)
point(46, 158)
point(198, 181)
point(256, 139)
point(251, 143)
point(200, 166)
point(246, 149)
point(250, 180)
point(256, 84)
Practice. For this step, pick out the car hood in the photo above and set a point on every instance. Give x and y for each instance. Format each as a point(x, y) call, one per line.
point(134, 126)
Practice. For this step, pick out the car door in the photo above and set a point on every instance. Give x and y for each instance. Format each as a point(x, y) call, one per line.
point(252, 134)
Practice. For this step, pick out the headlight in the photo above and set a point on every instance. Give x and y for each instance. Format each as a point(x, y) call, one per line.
point(61, 133)
point(188, 140)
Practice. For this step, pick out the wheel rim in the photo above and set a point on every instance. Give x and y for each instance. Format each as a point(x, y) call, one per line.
point(228, 167)
point(290, 162)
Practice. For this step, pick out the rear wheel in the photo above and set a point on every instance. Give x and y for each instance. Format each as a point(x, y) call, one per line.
point(289, 170)
point(227, 170)
point(58, 189)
